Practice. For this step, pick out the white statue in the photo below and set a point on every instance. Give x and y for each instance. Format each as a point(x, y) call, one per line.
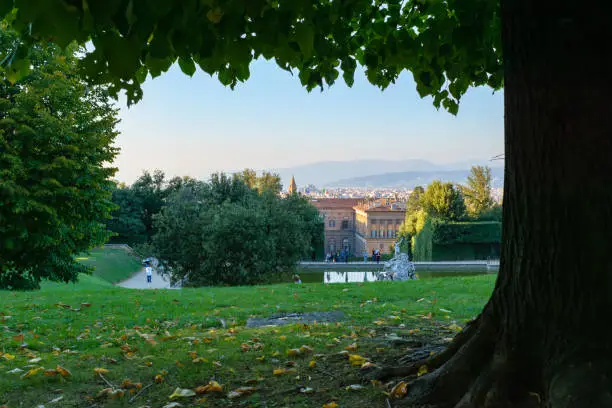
point(397, 247)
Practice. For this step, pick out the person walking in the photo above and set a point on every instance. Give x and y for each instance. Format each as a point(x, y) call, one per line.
point(365, 256)
point(149, 272)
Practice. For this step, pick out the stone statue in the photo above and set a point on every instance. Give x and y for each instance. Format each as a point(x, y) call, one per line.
point(399, 268)
point(397, 247)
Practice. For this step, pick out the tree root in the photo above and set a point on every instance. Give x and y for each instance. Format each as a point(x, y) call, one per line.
point(408, 367)
point(480, 370)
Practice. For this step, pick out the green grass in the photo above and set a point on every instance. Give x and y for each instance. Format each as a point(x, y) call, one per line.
point(112, 265)
point(138, 334)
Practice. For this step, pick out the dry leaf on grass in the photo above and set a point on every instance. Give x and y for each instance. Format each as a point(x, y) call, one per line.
point(239, 392)
point(400, 390)
point(182, 393)
point(212, 386)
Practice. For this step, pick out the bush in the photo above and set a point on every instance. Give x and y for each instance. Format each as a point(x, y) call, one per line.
point(227, 233)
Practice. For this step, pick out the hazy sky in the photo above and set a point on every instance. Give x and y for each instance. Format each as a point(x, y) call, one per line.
point(192, 126)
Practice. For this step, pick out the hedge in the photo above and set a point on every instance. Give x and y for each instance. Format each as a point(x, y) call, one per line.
point(438, 240)
point(448, 233)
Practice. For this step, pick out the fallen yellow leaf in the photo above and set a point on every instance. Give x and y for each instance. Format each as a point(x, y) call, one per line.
point(8, 356)
point(182, 393)
point(99, 370)
point(62, 371)
point(351, 347)
point(330, 405)
point(212, 386)
point(400, 390)
point(357, 360)
point(312, 364)
point(422, 370)
point(239, 392)
point(293, 352)
point(281, 371)
point(306, 349)
point(32, 372)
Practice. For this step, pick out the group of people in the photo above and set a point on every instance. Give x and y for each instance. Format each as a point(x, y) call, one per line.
point(339, 256)
point(375, 256)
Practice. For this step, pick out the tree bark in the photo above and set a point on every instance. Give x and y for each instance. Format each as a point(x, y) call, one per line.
point(541, 340)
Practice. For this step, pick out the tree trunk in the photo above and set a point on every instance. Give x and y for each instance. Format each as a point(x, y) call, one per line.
point(541, 339)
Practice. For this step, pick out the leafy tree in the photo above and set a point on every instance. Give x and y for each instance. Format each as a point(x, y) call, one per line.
point(132, 220)
point(443, 200)
point(150, 192)
point(414, 200)
point(266, 182)
point(477, 193)
point(313, 225)
point(539, 340)
point(269, 182)
point(56, 138)
point(224, 232)
point(126, 221)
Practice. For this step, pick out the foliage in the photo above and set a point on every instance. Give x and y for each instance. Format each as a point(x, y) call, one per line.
point(56, 138)
point(448, 46)
point(138, 334)
point(225, 232)
point(439, 240)
point(443, 200)
point(477, 193)
point(414, 203)
point(149, 190)
point(132, 220)
point(127, 223)
point(269, 182)
point(494, 213)
point(422, 242)
point(445, 233)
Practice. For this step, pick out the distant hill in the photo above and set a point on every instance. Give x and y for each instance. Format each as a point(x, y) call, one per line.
point(410, 179)
point(330, 173)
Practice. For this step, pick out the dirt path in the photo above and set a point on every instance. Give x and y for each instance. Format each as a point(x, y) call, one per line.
point(139, 281)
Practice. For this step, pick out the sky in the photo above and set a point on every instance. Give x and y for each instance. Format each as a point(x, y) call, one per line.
point(195, 126)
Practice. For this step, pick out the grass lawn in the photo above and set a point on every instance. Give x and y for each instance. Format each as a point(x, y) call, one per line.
point(112, 265)
point(119, 340)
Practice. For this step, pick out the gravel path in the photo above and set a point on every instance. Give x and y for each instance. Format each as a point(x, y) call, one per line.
point(139, 281)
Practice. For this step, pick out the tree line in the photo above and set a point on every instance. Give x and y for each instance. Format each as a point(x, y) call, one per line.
point(446, 201)
point(233, 229)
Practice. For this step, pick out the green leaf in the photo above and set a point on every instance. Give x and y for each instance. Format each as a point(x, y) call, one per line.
point(141, 74)
point(304, 36)
point(5, 7)
point(187, 66)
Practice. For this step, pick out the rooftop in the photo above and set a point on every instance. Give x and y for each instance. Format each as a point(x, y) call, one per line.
point(347, 203)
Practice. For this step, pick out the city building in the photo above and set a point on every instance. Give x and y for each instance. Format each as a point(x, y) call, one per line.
point(339, 217)
point(358, 225)
point(377, 223)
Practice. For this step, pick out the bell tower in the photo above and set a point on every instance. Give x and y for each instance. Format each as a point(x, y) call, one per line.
point(292, 186)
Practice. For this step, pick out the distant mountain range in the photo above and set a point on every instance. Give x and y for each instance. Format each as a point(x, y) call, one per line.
point(411, 179)
point(383, 173)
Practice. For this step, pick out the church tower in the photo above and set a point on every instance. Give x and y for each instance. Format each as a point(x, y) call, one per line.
point(292, 186)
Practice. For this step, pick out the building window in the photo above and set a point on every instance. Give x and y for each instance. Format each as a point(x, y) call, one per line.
point(345, 245)
point(332, 223)
point(345, 224)
point(373, 233)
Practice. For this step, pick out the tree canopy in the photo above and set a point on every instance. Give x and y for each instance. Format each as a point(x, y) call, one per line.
point(447, 45)
point(477, 193)
point(443, 200)
point(224, 232)
point(56, 136)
